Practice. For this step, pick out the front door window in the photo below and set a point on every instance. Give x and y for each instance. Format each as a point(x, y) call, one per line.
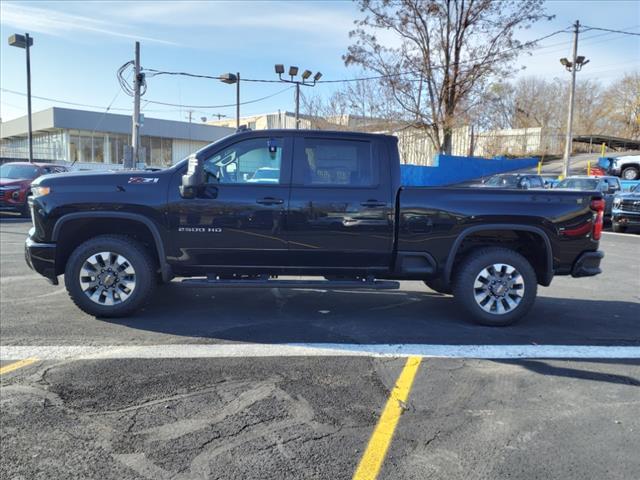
point(252, 161)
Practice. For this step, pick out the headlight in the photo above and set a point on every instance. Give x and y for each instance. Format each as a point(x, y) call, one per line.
point(40, 191)
point(617, 202)
point(10, 188)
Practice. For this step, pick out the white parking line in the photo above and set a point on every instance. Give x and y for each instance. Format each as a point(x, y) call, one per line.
point(626, 235)
point(61, 352)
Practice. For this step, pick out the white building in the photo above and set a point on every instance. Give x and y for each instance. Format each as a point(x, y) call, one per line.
point(98, 140)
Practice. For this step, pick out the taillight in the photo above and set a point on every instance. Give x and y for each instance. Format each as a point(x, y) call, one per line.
point(597, 205)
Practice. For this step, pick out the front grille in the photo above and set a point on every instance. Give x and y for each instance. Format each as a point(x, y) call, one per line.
point(630, 206)
point(2, 192)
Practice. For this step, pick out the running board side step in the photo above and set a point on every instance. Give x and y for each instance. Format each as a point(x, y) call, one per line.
point(320, 284)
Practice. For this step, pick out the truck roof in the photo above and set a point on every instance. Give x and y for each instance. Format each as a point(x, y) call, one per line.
point(307, 132)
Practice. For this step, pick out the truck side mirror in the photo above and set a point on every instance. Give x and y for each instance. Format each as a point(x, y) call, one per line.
point(193, 180)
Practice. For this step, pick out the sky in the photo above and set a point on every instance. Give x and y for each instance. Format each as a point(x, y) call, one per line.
point(78, 46)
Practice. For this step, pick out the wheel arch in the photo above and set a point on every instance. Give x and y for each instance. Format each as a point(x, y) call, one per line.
point(544, 271)
point(134, 224)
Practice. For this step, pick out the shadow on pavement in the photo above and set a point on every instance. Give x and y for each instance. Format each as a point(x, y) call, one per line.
point(544, 368)
point(410, 317)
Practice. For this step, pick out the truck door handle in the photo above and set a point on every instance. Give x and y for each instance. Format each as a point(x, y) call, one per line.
point(373, 204)
point(270, 201)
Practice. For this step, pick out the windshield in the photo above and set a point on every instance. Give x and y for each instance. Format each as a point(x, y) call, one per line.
point(503, 181)
point(579, 183)
point(18, 171)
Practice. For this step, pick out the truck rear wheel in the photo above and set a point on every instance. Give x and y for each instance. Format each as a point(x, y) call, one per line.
point(110, 276)
point(497, 286)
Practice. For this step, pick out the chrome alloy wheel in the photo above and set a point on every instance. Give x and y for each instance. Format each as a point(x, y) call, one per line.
point(499, 289)
point(107, 278)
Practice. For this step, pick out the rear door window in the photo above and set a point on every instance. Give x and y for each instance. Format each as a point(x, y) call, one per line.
point(333, 162)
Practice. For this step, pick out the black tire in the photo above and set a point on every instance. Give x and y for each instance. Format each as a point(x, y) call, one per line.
point(438, 285)
point(633, 172)
point(139, 260)
point(25, 211)
point(616, 227)
point(472, 267)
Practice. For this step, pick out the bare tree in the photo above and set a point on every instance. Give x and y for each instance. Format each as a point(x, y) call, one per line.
point(368, 103)
point(447, 48)
point(623, 106)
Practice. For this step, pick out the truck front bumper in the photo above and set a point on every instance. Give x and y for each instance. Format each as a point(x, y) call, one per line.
point(41, 257)
point(626, 218)
point(587, 264)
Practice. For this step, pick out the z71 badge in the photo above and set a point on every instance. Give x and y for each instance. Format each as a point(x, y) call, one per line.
point(141, 180)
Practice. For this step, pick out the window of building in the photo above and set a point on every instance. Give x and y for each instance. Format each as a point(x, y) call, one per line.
point(336, 162)
point(167, 152)
point(98, 149)
point(86, 149)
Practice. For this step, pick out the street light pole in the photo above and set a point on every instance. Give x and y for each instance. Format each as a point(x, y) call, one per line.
point(231, 78)
point(237, 100)
point(297, 105)
point(25, 42)
point(28, 41)
point(293, 72)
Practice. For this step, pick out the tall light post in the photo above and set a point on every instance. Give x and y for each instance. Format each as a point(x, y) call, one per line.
point(572, 66)
point(293, 72)
point(25, 41)
point(230, 79)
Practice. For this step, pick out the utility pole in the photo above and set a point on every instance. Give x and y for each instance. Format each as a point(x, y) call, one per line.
point(135, 129)
point(576, 64)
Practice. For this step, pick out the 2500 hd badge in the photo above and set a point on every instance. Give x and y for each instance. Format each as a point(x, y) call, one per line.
point(200, 229)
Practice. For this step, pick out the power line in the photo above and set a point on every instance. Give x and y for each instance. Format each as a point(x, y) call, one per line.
point(155, 73)
point(102, 107)
point(494, 57)
point(587, 28)
point(220, 106)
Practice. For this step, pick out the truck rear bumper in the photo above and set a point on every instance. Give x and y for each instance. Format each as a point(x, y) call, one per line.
point(587, 264)
point(41, 257)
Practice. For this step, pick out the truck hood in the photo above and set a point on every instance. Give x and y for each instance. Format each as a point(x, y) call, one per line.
point(111, 178)
point(633, 195)
point(8, 182)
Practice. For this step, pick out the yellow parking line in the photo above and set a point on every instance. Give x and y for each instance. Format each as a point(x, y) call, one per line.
point(16, 365)
point(371, 461)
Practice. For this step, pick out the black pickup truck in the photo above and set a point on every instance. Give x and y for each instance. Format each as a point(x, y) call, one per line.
point(257, 206)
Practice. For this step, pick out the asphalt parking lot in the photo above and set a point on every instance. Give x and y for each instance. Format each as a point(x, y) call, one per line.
point(293, 383)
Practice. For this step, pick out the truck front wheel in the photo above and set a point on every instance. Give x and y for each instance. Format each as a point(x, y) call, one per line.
point(497, 286)
point(110, 276)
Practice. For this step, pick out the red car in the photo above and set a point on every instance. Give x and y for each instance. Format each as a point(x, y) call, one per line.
point(15, 183)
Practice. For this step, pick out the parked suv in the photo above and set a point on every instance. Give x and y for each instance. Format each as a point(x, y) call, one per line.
point(15, 183)
point(626, 210)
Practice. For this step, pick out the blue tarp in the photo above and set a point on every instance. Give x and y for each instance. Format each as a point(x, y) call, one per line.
point(450, 169)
